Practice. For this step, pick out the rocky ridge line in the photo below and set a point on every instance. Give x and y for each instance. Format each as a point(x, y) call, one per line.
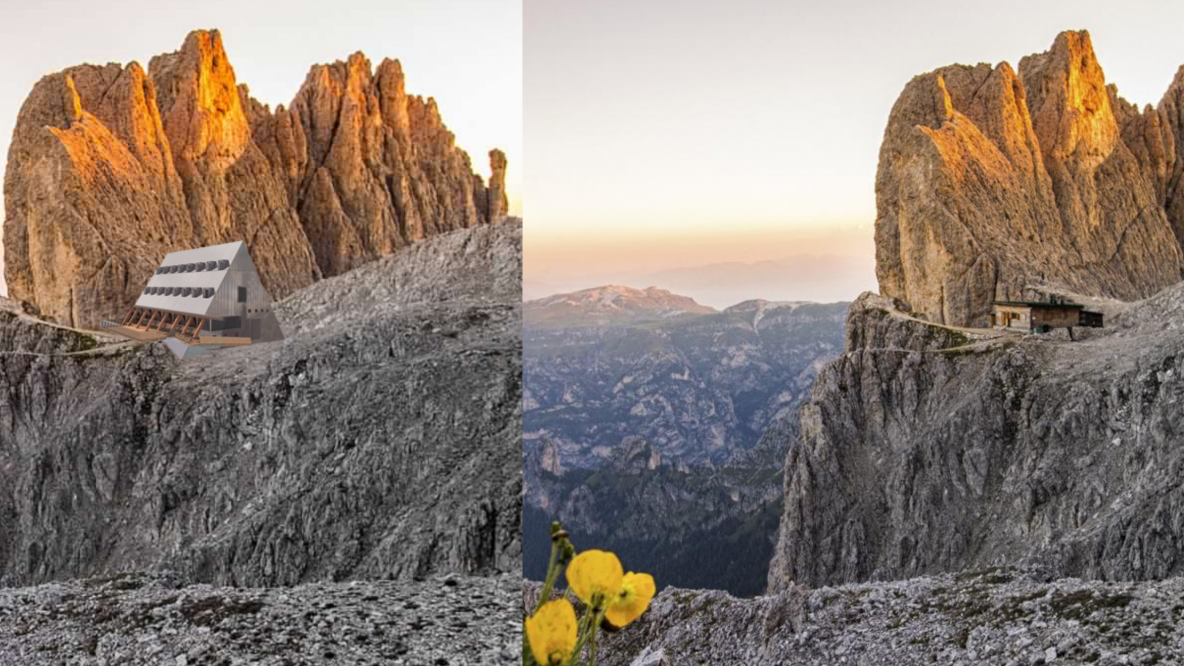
point(380, 440)
point(112, 167)
point(926, 449)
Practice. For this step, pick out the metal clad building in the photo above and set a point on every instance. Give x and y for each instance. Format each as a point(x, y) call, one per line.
point(203, 299)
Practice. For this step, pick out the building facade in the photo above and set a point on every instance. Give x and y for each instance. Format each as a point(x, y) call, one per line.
point(1042, 317)
point(203, 299)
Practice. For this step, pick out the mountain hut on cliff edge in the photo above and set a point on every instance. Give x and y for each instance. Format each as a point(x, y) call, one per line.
point(1042, 316)
point(203, 299)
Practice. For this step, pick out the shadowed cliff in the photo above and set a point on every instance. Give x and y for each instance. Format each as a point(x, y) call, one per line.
point(381, 439)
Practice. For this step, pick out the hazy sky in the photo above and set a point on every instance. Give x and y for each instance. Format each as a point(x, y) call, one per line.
point(465, 53)
point(662, 134)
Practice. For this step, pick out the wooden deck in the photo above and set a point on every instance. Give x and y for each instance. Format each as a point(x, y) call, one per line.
point(137, 334)
point(146, 325)
point(216, 341)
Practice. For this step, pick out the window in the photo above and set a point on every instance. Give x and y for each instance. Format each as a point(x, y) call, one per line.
point(222, 264)
point(242, 294)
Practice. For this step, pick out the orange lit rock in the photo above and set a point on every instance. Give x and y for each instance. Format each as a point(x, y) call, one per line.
point(111, 168)
point(991, 185)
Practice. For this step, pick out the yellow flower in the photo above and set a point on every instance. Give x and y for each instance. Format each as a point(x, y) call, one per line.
point(552, 632)
point(595, 573)
point(634, 597)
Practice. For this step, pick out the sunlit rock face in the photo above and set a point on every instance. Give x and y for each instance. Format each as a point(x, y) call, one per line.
point(112, 167)
point(992, 183)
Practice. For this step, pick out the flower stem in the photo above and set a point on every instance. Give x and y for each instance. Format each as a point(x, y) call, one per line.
point(592, 646)
point(588, 625)
point(552, 575)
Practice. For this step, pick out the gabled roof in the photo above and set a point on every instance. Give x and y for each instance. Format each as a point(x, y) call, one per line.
point(207, 279)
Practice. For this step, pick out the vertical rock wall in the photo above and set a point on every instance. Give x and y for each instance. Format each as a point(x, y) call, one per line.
point(991, 183)
point(111, 168)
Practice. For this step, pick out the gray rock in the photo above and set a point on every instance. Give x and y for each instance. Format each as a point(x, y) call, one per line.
point(380, 440)
point(926, 449)
point(143, 620)
point(967, 618)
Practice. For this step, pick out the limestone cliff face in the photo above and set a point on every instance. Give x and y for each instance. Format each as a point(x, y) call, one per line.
point(110, 168)
point(992, 182)
point(923, 451)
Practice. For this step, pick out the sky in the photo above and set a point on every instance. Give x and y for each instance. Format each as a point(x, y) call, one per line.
point(665, 134)
point(465, 53)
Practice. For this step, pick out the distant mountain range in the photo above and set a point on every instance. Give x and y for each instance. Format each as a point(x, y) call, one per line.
point(657, 426)
point(814, 278)
point(699, 384)
point(610, 305)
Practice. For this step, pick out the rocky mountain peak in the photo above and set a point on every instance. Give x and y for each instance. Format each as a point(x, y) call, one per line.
point(992, 183)
point(113, 168)
point(1068, 101)
point(611, 304)
point(197, 95)
point(635, 455)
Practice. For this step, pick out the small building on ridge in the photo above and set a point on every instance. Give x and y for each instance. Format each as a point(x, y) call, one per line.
point(203, 299)
point(1042, 316)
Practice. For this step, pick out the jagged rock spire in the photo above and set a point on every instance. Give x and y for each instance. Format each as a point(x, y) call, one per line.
point(990, 184)
point(111, 168)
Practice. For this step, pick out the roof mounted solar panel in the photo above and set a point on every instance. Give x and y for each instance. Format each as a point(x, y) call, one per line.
point(210, 292)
